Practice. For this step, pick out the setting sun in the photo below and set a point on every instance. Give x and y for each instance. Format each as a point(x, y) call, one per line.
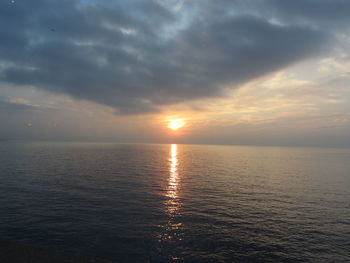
point(176, 124)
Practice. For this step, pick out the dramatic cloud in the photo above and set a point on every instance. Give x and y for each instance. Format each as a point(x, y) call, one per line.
point(138, 55)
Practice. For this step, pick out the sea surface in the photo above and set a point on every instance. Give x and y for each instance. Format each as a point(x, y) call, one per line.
point(178, 203)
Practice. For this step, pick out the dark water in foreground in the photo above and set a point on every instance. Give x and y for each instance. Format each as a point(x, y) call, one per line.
point(164, 203)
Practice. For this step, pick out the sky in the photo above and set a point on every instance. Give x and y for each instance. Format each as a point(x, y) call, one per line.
point(251, 72)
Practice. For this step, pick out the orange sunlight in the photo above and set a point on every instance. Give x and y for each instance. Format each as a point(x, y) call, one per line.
point(176, 124)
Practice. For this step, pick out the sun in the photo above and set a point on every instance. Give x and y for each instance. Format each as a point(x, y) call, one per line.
point(176, 124)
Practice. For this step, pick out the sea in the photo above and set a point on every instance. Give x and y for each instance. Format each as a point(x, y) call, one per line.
point(178, 203)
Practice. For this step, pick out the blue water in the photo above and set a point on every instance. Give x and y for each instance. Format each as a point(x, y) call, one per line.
point(178, 203)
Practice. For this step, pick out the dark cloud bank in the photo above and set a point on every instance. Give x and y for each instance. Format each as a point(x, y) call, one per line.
point(138, 55)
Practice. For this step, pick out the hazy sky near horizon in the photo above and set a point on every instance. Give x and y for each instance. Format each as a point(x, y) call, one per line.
point(265, 72)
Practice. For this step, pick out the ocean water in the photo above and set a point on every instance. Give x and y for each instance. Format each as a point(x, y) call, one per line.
point(178, 203)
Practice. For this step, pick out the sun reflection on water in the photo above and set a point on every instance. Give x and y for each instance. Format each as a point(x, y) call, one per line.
point(173, 176)
point(173, 183)
point(172, 203)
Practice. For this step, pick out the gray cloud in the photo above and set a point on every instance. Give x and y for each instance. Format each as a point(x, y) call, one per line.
point(137, 55)
point(316, 12)
point(9, 106)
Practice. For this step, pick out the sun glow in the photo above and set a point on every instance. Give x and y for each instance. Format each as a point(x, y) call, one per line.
point(176, 124)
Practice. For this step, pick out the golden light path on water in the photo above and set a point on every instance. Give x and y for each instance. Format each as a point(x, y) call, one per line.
point(173, 175)
point(172, 193)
